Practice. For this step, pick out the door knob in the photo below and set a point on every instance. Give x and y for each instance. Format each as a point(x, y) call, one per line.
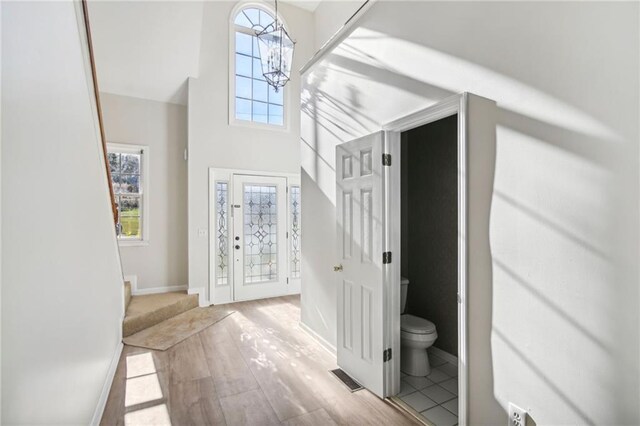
point(337, 268)
point(237, 247)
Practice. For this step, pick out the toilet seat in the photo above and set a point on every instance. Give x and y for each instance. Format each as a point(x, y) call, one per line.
point(416, 325)
point(421, 340)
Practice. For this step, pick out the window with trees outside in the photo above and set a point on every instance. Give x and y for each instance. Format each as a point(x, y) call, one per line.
point(254, 100)
point(128, 176)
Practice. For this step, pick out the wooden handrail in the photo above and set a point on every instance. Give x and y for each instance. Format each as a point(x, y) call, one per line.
point(114, 206)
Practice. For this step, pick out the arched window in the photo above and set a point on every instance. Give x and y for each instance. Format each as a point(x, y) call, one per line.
point(253, 99)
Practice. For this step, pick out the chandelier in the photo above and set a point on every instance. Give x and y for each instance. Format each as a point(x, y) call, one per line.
point(276, 53)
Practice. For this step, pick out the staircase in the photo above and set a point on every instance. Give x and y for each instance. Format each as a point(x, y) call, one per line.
point(146, 311)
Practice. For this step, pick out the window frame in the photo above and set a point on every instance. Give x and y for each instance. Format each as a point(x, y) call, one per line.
point(144, 191)
point(286, 95)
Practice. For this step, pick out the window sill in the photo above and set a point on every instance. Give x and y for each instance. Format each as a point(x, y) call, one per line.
point(256, 125)
point(133, 243)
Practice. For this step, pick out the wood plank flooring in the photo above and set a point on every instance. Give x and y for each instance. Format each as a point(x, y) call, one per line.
point(255, 367)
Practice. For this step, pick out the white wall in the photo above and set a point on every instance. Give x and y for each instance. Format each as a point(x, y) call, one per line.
point(318, 172)
point(62, 284)
point(564, 299)
point(215, 143)
point(330, 16)
point(163, 128)
point(0, 212)
point(146, 49)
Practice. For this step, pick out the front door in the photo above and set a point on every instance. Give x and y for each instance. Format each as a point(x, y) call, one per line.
point(259, 236)
point(360, 236)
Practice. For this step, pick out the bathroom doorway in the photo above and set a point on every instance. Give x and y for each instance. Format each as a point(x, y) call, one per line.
point(370, 254)
point(429, 270)
point(459, 166)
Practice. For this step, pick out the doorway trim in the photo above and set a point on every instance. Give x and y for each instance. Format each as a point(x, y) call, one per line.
point(456, 104)
point(225, 294)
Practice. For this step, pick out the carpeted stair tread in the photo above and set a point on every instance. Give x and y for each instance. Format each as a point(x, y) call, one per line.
point(168, 333)
point(148, 310)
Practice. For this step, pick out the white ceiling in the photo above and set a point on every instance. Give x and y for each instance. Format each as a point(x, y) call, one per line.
point(310, 5)
point(146, 49)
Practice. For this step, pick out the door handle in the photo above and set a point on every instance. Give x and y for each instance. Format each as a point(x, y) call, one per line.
point(337, 268)
point(237, 247)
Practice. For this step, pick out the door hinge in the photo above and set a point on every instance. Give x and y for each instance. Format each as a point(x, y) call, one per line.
point(386, 159)
point(386, 355)
point(287, 280)
point(386, 257)
point(287, 234)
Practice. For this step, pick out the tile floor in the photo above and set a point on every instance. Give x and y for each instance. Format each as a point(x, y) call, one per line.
point(435, 396)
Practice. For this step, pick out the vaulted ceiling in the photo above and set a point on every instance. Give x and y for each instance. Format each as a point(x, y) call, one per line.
point(148, 49)
point(310, 5)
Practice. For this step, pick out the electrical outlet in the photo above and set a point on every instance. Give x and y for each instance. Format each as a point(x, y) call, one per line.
point(517, 416)
point(202, 232)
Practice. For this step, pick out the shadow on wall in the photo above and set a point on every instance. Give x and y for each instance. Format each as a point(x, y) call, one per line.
point(322, 242)
point(566, 189)
point(323, 126)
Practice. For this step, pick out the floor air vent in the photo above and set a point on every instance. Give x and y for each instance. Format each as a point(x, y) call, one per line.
point(347, 380)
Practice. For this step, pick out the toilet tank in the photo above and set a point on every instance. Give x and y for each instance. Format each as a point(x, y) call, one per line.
point(404, 286)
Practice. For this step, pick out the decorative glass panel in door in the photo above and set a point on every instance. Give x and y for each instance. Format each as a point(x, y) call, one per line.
point(260, 233)
point(260, 221)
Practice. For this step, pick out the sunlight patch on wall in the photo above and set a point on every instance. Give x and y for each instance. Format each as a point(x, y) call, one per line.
point(446, 72)
point(560, 187)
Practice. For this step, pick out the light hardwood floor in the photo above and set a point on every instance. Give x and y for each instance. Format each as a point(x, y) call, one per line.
point(255, 367)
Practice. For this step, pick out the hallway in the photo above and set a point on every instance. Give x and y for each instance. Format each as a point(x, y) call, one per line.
point(255, 367)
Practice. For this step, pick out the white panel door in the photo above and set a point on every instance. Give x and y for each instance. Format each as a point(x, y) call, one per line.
point(259, 237)
point(360, 227)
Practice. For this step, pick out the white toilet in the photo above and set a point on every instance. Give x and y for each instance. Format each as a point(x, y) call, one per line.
point(416, 335)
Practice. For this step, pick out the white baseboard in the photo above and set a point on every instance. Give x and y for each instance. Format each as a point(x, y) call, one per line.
point(157, 290)
point(202, 297)
point(133, 280)
point(323, 342)
point(451, 359)
point(104, 394)
point(135, 291)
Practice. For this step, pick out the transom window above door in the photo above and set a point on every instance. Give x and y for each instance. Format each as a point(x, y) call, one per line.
point(252, 99)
